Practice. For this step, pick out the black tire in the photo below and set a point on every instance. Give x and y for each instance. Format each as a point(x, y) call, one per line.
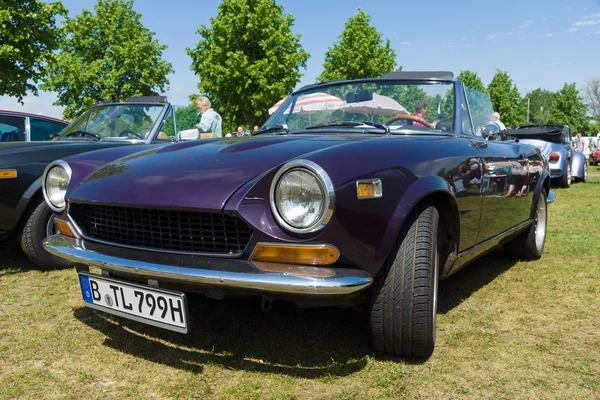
point(529, 245)
point(565, 179)
point(34, 230)
point(403, 300)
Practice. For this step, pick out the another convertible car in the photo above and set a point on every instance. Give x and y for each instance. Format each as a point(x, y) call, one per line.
point(357, 201)
point(23, 213)
point(556, 142)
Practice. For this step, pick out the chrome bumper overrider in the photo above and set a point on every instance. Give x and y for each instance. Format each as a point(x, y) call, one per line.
point(209, 272)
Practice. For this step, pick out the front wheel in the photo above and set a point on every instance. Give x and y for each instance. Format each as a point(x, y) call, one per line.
point(404, 294)
point(529, 245)
point(39, 225)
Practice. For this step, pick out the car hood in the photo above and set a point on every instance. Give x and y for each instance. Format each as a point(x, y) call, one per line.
point(201, 174)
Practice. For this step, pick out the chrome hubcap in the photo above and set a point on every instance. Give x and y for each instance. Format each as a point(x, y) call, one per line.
point(540, 223)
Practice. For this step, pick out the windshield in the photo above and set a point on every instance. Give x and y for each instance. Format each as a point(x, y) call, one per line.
point(407, 107)
point(115, 122)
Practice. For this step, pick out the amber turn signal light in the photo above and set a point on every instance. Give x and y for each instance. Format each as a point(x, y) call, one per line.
point(320, 254)
point(369, 189)
point(8, 173)
point(554, 157)
point(64, 227)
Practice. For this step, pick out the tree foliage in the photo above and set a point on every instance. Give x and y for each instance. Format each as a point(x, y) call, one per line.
point(28, 36)
point(506, 99)
point(568, 108)
point(540, 103)
point(359, 52)
point(472, 80)
point(248, 59)
point(591, 95)
point(108, 55)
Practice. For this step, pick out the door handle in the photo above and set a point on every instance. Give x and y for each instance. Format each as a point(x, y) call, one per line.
point(479, 145)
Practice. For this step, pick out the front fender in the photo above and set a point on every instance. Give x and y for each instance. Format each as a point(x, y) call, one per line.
point(578, 164)
point(429, 186)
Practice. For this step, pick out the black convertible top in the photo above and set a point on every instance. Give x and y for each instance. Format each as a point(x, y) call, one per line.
point(548, 133)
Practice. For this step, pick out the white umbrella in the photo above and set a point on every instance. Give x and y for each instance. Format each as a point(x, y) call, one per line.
point(312, 102)
point(379, 105)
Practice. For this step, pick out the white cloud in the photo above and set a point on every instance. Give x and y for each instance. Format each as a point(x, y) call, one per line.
point(526, 24)
point(586, 20)
point(491, 36)
point(548, 35)
point(406, 43)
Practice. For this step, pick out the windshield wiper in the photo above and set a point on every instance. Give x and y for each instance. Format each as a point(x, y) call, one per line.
point(83, 133)
point(350, 123)
point(271, 128)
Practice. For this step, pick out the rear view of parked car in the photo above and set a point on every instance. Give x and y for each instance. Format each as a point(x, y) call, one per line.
point(354, 203)
point(556, 141)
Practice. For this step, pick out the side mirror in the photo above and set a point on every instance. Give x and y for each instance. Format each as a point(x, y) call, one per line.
point(490, 132)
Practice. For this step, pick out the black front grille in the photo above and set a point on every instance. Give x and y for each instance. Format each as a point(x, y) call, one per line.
point(163, 229)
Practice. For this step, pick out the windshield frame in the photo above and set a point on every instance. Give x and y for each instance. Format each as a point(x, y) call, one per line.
point(160, 120)
point(418, 78)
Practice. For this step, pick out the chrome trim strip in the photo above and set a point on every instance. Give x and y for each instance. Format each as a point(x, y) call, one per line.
point(67, 168)
point(376, 182)
point(326, 184)
point(247, 276)
point(473, 253)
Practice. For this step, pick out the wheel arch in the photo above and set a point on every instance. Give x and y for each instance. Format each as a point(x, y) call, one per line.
point(433, 189)
point(28, 202)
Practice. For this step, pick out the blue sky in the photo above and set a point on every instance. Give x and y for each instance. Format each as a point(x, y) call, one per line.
point(540, 43)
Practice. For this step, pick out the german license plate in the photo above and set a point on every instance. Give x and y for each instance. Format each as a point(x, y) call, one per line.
point(158, 307)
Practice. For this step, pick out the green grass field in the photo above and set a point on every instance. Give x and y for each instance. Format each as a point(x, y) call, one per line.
point(506, 329)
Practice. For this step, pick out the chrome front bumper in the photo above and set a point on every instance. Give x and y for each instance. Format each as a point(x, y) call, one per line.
point(208, 272)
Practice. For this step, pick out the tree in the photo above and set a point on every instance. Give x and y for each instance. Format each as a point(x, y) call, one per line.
point(28, 36)
point(108, 55)
point(540, 103)
point(568, 108)
point(472, 80)
point(506, 99)
point(591, 95)
point(248, 59)
point(358, 53)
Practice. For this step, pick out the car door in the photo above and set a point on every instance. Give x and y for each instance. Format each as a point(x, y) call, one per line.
point(505, 187)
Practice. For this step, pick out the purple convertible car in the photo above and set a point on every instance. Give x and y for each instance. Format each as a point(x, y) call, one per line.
point(350, 199)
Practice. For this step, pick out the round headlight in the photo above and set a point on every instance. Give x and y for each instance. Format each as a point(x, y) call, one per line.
point(302, 195)
point(56, 181)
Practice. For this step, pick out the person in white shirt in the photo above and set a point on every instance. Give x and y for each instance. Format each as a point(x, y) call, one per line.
point(495, 118)
point(211, 121)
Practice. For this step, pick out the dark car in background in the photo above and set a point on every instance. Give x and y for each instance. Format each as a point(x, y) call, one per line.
point(26, 127)
point(24, 215)
point(354, 201)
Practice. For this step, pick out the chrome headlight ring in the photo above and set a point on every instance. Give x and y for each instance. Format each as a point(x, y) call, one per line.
point(327, 188)
point(67, 170)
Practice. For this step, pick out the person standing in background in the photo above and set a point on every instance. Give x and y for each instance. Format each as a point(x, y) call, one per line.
point(210, 122)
